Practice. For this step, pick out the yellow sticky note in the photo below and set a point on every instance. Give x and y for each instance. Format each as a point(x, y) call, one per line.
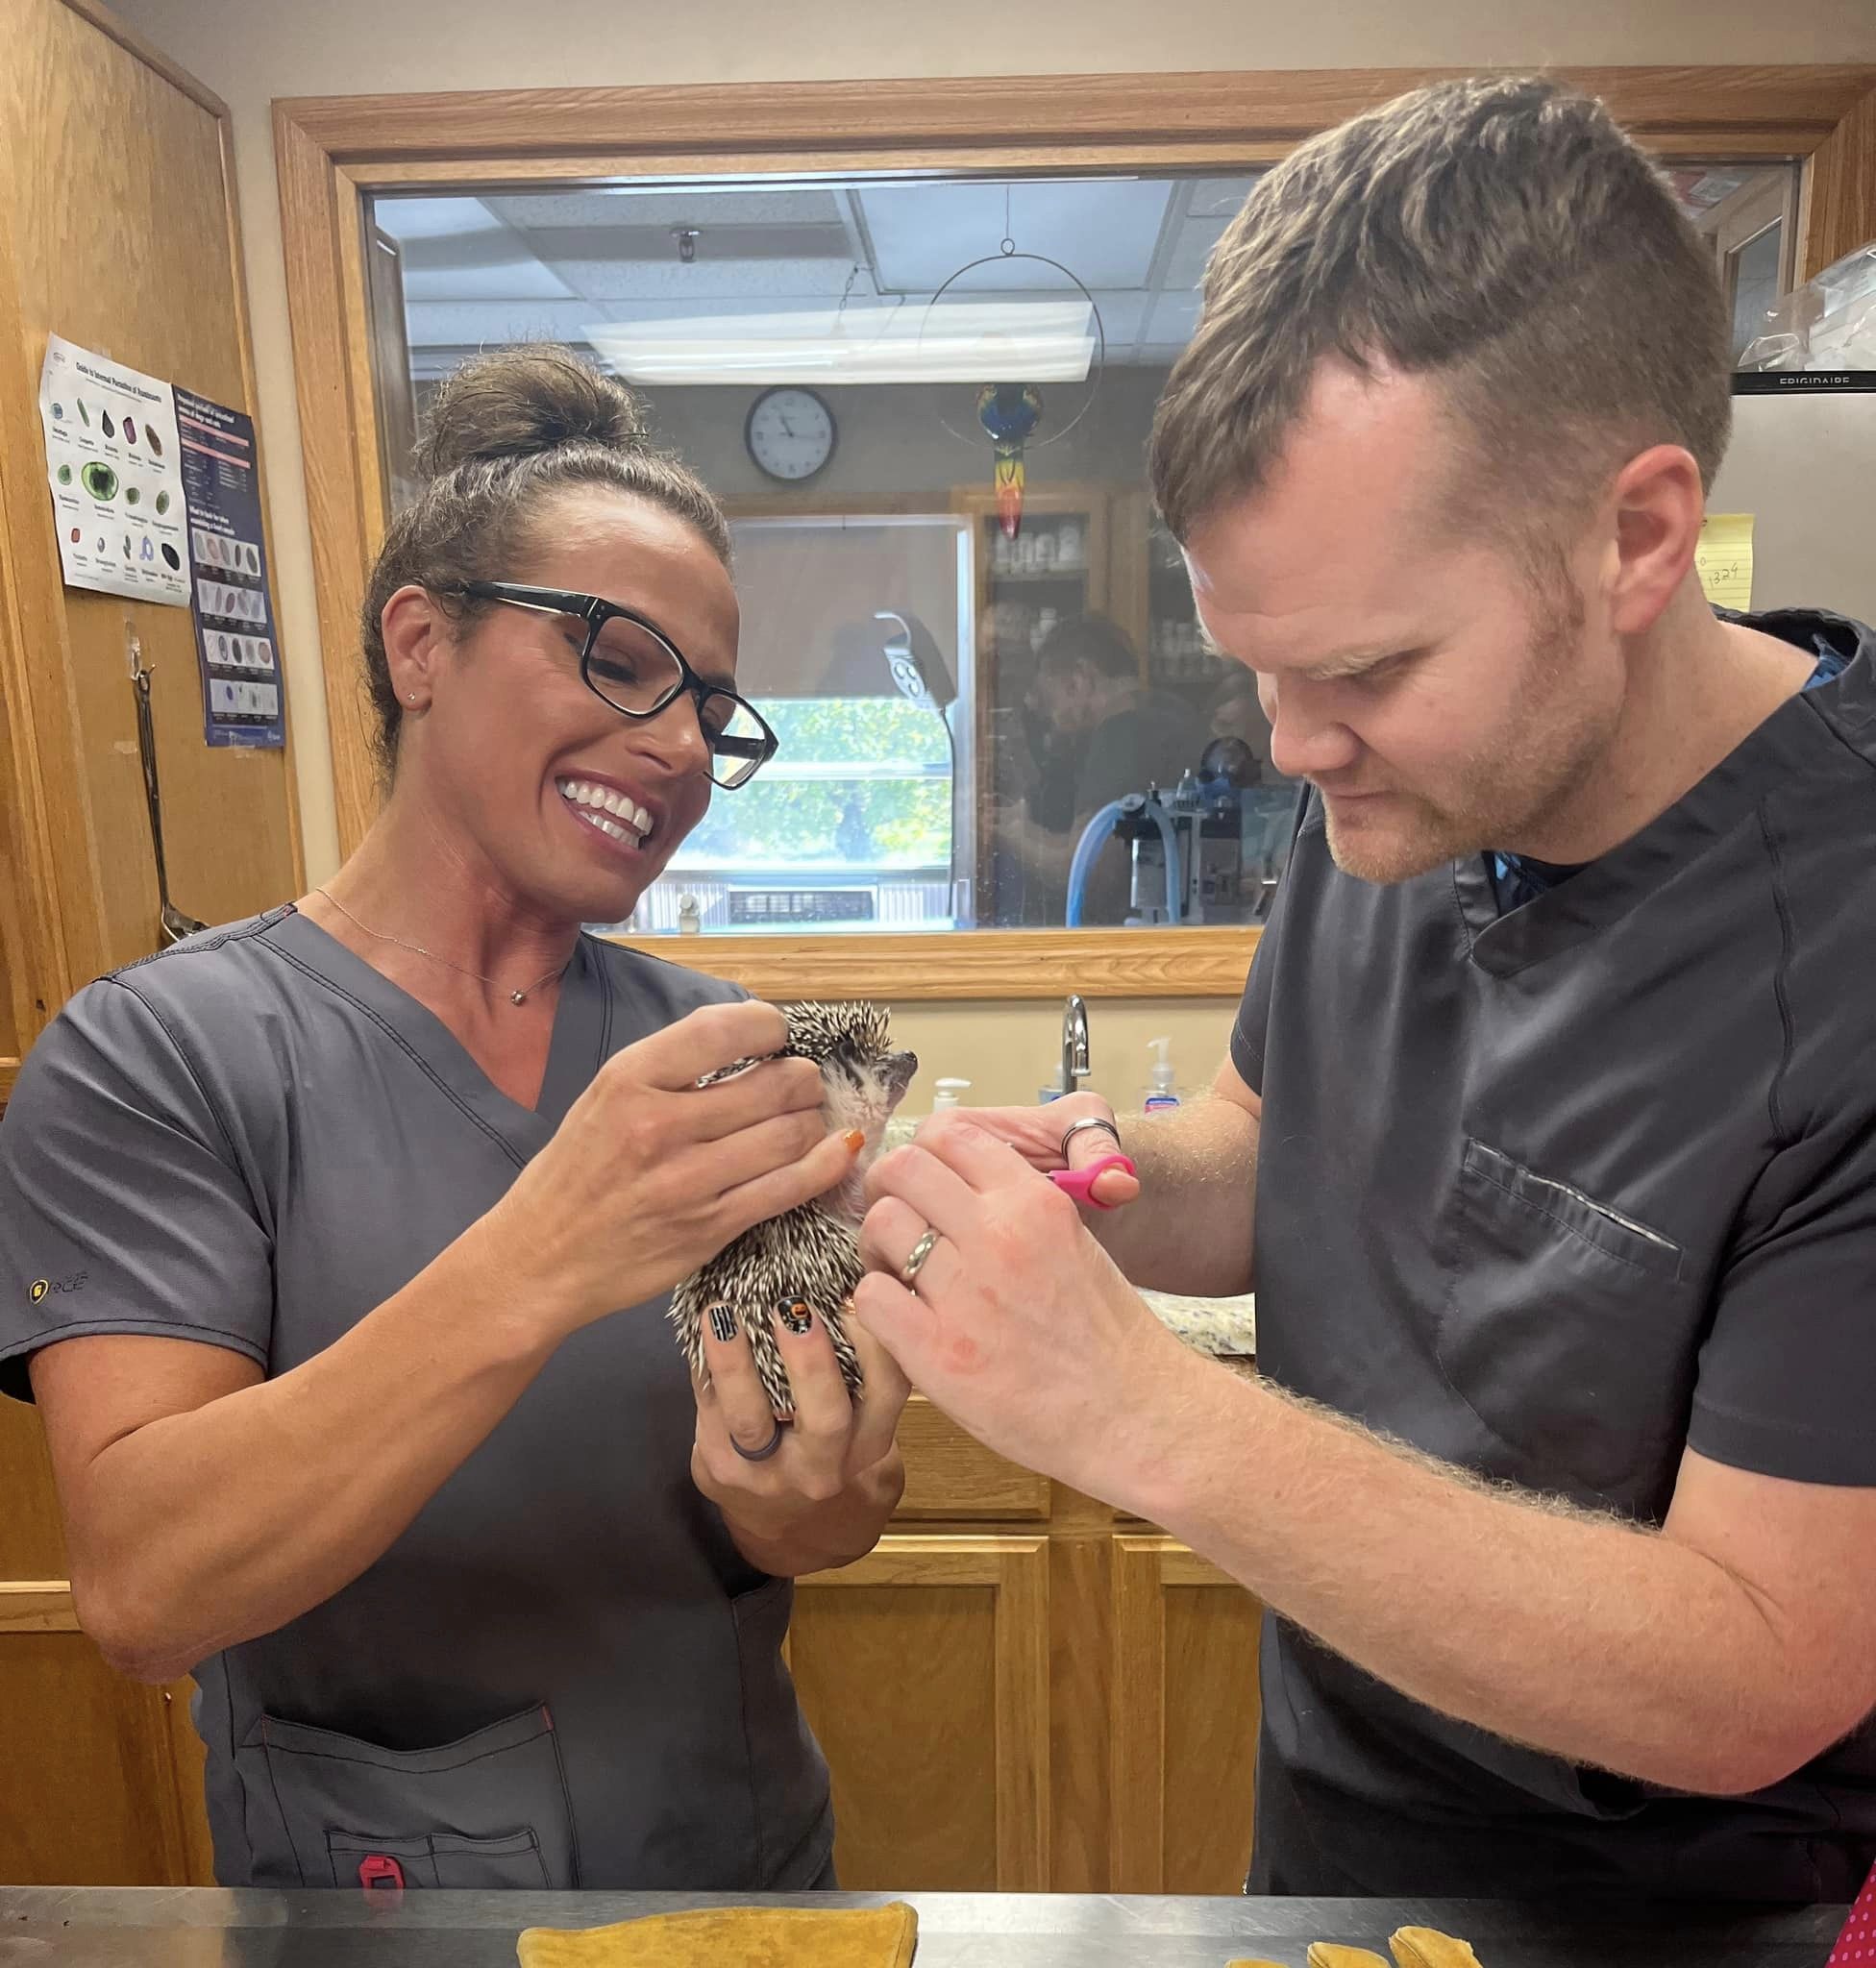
point(1723, 558)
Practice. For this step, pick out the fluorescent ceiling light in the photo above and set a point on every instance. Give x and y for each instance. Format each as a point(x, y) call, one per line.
point(966, 341)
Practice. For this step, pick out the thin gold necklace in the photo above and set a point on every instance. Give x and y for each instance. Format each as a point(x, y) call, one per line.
point(513, 996)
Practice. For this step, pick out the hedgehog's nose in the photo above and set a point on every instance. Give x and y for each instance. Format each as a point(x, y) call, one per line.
point(900, 1067)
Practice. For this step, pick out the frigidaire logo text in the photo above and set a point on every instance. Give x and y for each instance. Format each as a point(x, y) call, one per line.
point(40, 1287)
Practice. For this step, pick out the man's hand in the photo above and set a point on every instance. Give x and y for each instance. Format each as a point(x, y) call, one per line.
point(1021, 1327)
point(1037, 1134)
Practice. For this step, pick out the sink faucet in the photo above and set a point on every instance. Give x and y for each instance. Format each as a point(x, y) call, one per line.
point(1075, 1044)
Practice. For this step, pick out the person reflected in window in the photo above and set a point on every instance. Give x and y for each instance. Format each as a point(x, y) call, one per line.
point(1135, 736)
point(1237, 714)
point(1122, 736)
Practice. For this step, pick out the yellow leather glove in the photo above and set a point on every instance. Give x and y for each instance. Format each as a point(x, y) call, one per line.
point(1326, 1954)
point(1423, 1947)
point(734, 1937)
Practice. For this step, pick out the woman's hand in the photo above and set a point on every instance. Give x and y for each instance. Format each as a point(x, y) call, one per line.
point(835, 1476)
point(1036, 1134)
point(651, 1174)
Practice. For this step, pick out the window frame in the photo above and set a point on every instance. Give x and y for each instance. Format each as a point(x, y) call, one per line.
point(335, 152)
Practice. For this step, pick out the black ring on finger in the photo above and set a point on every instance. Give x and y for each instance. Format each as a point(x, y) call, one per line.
point(762, 1454)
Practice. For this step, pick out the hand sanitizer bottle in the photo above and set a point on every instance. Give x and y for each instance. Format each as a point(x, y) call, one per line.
point(946, 1094)
point(1161, 1094)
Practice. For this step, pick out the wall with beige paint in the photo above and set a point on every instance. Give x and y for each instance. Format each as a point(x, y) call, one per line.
point(251, 51)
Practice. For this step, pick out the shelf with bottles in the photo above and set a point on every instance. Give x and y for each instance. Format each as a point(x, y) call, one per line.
point(1048, 547)
point(1178, 658)
point(1163, 554)
point(1027, 625)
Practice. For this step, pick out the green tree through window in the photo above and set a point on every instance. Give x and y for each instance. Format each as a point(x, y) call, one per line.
point(802, 808)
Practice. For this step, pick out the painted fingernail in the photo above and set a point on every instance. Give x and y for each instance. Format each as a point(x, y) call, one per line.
point(856, 1141)
point(796, 1314)
point(722, 1322)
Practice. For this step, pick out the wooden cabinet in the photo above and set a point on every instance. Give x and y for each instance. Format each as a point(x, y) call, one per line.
point(1018, 1691)
point(117, 231)
point(924, 1671)
point(1186, 1712)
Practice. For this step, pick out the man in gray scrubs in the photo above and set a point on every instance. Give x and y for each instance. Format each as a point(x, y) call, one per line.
point(1552, 1072)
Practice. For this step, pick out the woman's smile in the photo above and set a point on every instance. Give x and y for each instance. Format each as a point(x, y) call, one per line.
point(605, 810)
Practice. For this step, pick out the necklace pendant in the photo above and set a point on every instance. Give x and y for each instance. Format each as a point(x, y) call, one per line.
point(517, 997)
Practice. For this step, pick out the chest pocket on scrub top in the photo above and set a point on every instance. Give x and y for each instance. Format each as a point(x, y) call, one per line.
point(1567, 1326)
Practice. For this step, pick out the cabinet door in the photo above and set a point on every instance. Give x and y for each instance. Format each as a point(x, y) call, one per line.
point(1185, 1721)
point(950, 1477)
point(102, 1782)
point(923, 1671)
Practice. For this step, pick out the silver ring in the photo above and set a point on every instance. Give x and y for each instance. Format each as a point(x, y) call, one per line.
point(760, 1455)
point(908, 1273)
point(1077, 1126)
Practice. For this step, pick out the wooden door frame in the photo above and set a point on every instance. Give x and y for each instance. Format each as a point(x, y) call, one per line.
point(333, 152)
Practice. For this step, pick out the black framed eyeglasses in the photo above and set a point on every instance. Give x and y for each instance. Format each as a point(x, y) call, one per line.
point(634, 666)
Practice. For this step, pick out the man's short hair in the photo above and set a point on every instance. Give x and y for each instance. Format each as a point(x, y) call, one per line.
point(1091, 639)
point(1503, 235)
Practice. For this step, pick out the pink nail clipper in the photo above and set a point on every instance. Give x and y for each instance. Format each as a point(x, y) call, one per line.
point(1079, 1183)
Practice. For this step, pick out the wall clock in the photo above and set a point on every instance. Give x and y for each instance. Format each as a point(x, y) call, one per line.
point(790, 433)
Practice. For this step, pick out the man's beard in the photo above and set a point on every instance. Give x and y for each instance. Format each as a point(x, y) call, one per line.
point(1509, 782)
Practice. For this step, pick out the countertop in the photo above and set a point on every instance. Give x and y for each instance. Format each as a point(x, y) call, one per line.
point(47, 1927)
point(1225, 1328)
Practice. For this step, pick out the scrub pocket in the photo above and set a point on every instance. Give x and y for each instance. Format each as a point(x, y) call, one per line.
point(788, 1780)
point(489, 1811)
point(1567, 1328)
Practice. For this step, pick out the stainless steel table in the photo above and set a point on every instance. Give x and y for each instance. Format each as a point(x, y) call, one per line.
point(46, 1927)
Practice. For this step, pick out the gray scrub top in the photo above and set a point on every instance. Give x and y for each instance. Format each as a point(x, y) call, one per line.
point(562, 1673)
point(1554, 1195)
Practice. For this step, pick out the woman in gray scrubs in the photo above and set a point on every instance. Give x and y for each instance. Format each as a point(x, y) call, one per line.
point(315, 1233)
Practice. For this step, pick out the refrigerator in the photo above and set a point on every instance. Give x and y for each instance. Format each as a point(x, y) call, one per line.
point(1803, 465)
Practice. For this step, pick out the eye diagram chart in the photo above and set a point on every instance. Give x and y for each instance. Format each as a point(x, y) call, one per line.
point(114, 462)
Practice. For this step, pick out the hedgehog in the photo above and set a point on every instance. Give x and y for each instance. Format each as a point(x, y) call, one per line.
point(807, 1259)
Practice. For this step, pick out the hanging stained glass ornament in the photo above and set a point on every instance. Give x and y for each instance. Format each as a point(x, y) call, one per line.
point(1009, 412)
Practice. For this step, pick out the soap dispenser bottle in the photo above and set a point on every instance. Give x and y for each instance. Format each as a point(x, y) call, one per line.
point(946, 1094)
point(1161, 1094)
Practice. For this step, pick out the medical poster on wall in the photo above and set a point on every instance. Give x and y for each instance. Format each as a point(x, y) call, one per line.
point(242, 701)
point(114, 463)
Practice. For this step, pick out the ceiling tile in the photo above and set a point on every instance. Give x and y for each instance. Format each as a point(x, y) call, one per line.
point(1218, 198)
point(664, 206)
point(1185, 266)
point(1103, 231)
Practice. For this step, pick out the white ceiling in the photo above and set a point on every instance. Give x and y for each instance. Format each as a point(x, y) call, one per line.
point(478, 272)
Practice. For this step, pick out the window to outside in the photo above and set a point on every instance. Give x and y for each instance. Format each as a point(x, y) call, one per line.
point(973, 686)
point(1748, 214)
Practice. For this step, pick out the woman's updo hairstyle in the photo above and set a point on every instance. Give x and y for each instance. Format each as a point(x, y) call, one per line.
point(506, 431)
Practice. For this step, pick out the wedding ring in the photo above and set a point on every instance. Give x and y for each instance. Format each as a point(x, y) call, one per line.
point(909, 1275)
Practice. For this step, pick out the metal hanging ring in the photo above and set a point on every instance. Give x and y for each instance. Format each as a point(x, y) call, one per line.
point(1008, 252)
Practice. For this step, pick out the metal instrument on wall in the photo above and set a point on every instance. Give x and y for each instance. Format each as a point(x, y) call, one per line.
point(174, 923)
